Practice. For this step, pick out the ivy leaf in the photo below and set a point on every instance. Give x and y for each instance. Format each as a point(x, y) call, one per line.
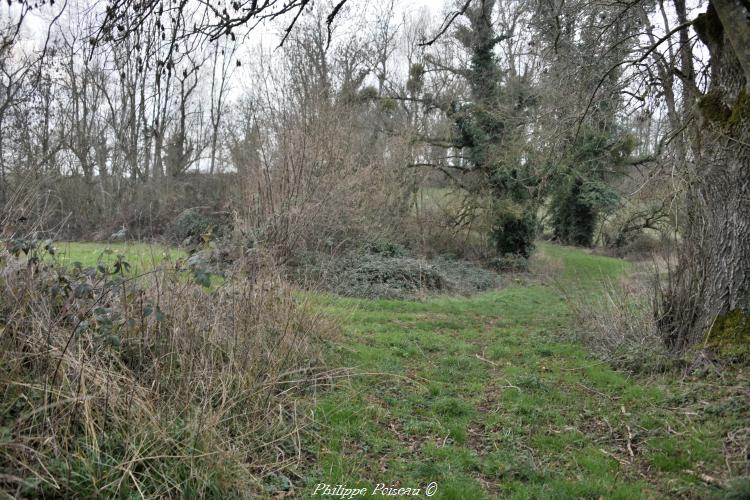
point(159, 315)
point(82, 327)
point(202, 277)
point(84, 290)
point(121, 266)
point(48, 247)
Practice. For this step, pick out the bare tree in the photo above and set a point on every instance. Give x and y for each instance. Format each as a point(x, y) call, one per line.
point(222, 68)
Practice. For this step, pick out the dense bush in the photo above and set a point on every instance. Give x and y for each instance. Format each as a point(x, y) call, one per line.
point(379, 276)
point(465, 277)
point(574, 216)
point(387, 249)
point(375, 275)
point(584, 188)
point(514, 234)
point(194, 225)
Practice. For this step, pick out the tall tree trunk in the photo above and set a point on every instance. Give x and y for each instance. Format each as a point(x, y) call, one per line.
point(713, 281)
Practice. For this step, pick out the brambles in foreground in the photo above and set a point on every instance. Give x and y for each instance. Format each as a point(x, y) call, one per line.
point(118, 384)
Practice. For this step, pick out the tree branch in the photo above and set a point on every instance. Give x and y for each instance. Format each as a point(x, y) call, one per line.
point(446, 24)
point(663, 39)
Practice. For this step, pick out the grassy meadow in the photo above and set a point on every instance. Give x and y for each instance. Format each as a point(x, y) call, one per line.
point(485, 396)
point(488, 397)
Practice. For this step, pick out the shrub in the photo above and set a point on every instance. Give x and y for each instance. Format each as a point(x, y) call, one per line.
point(464, 277)
point(514, 234)
point(387, 249)
point(193, 226)
point(574, 216)
point(451, 222)
point(116, 385)
point(642, 246)
point(321, 197)
point(378, 276)
point(637, 219)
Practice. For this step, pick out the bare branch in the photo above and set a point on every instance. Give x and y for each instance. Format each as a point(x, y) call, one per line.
point(446, 24)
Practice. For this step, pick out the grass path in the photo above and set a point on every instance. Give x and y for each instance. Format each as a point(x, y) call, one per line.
point(483, 396)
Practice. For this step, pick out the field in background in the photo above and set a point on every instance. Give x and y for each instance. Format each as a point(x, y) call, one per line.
point(140, 256)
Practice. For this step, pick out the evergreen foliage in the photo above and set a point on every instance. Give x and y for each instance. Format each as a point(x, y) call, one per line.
point(584, 193)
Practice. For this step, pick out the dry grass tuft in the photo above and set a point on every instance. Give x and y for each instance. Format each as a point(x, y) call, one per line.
point(618, 324)
point(545, 266)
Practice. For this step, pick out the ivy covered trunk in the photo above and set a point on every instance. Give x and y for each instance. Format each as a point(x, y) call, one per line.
point(488, 126)
point(710, 299)
point(574, 219)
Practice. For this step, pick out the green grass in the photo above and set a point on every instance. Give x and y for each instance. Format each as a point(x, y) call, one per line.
point(483, 396)
point(141, 256)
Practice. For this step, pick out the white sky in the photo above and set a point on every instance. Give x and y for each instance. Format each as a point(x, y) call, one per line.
point(35, 25)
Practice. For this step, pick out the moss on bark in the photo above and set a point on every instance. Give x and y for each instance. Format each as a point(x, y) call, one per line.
point(740, 110)
point(729, 335)
point(713, 108)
